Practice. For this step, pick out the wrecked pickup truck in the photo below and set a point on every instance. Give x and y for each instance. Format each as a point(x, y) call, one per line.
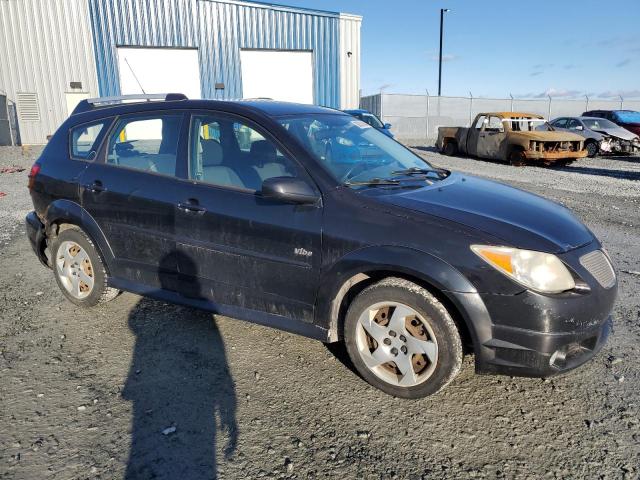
point(600, 135)
point(513, 137)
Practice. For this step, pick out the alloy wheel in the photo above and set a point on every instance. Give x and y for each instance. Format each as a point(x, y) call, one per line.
point(397, 344)
point(74, 269)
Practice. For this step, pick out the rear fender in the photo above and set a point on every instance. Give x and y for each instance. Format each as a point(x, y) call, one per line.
point(66, 211)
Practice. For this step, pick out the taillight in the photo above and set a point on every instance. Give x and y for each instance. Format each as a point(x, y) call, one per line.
point(32, 174)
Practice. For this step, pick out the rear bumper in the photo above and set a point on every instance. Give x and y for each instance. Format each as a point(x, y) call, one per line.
point(36, 236)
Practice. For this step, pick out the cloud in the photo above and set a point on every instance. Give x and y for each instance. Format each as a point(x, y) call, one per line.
point(558, 93)
point(619, 93)
point(552, 92)
point(541, 66)
point(623, 63)
point(446, 57)
point(569, 66)
point(535, 74)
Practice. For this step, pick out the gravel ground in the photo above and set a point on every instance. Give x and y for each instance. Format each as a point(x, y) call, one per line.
point(143, 389)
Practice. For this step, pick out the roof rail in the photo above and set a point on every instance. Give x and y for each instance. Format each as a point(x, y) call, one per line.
point(91, 103)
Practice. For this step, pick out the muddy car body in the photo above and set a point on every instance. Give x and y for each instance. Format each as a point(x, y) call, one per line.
point(513, 137)
point(404, 261)
point(600, 135)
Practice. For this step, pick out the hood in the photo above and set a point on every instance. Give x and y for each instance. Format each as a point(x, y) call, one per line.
point(617, 132)
point(518, 218)
point(549, 136)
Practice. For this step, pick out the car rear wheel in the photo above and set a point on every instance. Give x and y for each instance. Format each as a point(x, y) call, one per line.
point(79, 270)
point(402, 340)
point(450, 148)
point(592, 149)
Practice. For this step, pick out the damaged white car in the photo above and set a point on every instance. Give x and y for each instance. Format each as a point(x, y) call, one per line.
point(601, 135)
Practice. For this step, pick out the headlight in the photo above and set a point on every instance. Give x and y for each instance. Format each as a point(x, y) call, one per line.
point(538, 271)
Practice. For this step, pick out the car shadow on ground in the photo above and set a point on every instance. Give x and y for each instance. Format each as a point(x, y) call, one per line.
point(181, 391)
point(600, 172)
point(428, 148)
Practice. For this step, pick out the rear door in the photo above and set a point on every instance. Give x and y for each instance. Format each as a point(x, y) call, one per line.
point(131, 192)
point(237, 248)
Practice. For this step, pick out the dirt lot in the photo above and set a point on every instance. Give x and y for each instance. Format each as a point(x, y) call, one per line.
point(143, 389)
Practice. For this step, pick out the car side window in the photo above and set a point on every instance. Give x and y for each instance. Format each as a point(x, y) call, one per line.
point(85, 139)
point(146, 142)
point(494, 125)
point(236, 155)
point(573, 124)
point(560, 123)
point(480, 122)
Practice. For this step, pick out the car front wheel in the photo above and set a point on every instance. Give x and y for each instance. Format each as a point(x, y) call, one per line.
point(402, 340)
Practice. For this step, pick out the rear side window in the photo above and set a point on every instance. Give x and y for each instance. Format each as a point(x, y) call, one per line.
point(148, 143)
point(85, 139)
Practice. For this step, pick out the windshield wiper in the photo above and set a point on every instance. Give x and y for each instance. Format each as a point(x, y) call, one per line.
point(373, 182)
point(441, 172)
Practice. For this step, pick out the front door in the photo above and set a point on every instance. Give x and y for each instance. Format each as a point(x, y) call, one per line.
point(235, 247)
point(473, 135)
point(491, 138)
point(131, 192)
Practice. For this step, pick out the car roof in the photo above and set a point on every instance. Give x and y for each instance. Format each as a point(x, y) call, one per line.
point(356, 110)
point(511, 114)
point(243, 106)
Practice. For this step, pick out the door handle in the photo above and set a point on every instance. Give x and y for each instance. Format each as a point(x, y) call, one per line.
point(191, 207)
point(95, 187)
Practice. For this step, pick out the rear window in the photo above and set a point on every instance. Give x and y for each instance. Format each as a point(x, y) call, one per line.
point(85, 139)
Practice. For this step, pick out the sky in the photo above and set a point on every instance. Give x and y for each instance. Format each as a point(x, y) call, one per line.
point(494, 48)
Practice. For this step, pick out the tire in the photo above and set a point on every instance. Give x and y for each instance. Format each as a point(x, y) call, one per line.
point(450, 148)
point(420, 341)
point(592, 149)
point(517, 158)
point(84, 282)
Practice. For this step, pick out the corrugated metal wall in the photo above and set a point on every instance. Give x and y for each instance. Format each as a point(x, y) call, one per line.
point(45, 45)
point(219, 29)
point(349, 61)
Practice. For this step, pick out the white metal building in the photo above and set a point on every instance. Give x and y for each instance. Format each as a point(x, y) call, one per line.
point(54, 53)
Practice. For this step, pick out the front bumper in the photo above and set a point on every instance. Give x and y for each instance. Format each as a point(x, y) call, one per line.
point(36, 236)
point(531, 334)
point(554, 156)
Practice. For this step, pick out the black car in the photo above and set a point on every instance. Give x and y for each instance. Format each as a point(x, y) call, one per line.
point(232, 207)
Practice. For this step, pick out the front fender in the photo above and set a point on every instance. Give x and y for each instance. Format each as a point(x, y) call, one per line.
point(66, 211)
point(358, 265)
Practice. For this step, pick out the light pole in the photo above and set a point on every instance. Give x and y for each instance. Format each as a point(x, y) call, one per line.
point(442, 10)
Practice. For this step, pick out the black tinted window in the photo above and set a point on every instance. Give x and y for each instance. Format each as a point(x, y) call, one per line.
point(85, 139)
point(148, 143)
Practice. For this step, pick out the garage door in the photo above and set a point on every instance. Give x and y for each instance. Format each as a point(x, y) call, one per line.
point(159, 70)
point(280, 75)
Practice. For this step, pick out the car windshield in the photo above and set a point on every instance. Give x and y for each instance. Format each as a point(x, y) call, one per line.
point(354, 152)
point(596, 123)
point(628, 117)
point(371, 120)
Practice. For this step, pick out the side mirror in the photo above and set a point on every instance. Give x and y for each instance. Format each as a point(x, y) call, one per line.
point(387, 126)
point(580, 127)
point(290, 190)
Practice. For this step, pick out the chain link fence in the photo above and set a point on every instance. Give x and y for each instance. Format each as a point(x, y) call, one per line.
point(415, 118)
